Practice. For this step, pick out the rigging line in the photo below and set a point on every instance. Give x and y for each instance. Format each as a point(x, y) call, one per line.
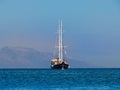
point(55, 51)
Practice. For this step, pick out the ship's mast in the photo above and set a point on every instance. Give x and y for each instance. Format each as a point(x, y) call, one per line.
point(60, 43)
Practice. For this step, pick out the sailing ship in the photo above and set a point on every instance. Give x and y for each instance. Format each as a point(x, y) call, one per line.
point(59, 62)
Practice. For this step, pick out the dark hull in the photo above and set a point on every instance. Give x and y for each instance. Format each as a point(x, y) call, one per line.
point(60, 66)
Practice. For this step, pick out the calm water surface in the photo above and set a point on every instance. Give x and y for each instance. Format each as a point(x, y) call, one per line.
point(48, 79)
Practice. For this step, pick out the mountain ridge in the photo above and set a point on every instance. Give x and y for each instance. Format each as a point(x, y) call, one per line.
point(21, 57)
point(18, 57)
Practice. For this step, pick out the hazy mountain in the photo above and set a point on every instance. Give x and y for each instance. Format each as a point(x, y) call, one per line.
point(23, 57)
point(18, 57)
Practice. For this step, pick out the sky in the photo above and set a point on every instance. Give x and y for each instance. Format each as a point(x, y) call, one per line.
point(91, 27)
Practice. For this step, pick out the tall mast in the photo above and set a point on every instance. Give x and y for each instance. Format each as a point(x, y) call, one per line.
point(60, 43)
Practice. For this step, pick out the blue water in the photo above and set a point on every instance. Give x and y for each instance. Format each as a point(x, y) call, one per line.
point(48, 79)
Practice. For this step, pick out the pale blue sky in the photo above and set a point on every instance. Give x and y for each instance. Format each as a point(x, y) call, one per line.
point(91, 27)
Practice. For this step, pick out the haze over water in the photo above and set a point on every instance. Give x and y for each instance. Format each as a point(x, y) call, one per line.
point(91, 28)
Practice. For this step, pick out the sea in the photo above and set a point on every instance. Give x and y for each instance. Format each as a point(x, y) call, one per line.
point(69, 79)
